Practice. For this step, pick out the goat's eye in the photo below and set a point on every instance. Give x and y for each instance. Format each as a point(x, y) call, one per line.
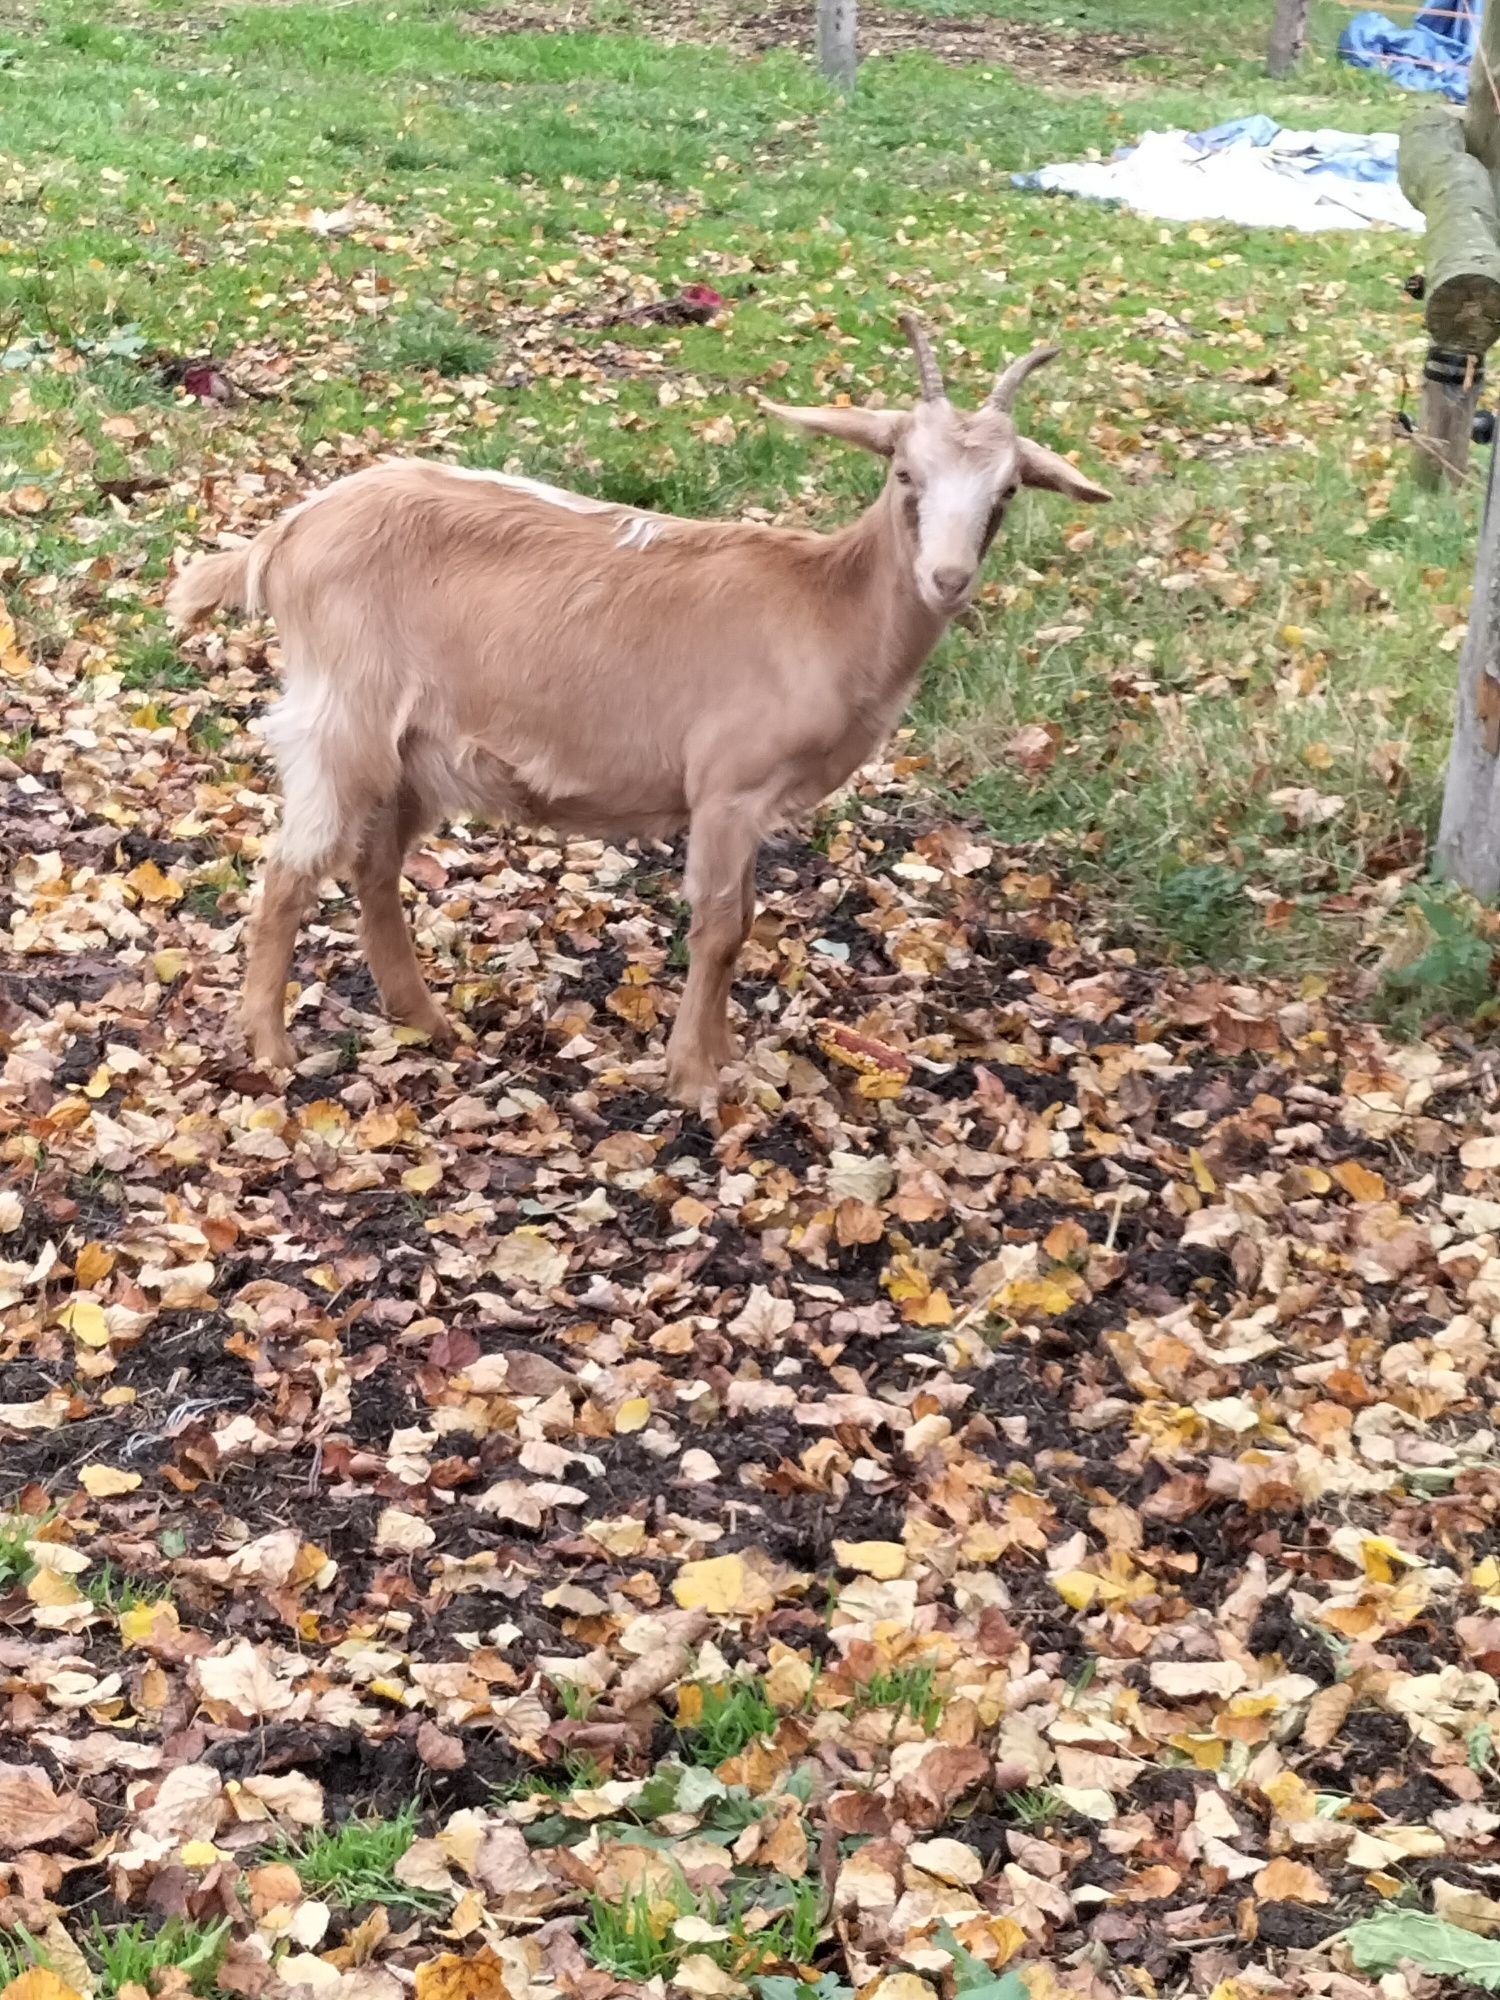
point(903, 477)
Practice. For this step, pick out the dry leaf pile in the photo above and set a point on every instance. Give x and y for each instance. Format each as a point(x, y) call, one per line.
point(1018, 1489)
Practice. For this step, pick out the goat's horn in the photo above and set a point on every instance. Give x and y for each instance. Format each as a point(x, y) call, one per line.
point(1010, 379)
point(927, 369)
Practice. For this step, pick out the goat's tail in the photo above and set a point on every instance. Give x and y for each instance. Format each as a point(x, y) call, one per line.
point(209, 582)
point(235, 578)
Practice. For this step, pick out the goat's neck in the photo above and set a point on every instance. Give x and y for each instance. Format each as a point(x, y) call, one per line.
point(889, 630)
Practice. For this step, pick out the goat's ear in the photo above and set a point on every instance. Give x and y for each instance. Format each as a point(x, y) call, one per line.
point(1040, 467)
point(876, 430)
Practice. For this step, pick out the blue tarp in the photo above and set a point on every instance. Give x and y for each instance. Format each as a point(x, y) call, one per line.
point(1433, 53)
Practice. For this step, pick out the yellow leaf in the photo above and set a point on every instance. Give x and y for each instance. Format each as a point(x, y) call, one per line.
point(84, 1319)
point(1359, 1181)
point(1318, 757)
point(1205, 1181)
point(689, 1704)
point(1294, 1799)
point(633, 1415)
point(40, 1983)
point(1287, 1881)
point(93, 1263)
point(149, 1624)
point(722, 1586)
point(1076, 1587)
point(452, 1977)
point(104, 1482)
point(883, 1560)
point(152, 886)
point(422, 1179)
point(199, 1854)
point(1048, 1295)
point(169, 964)
point(1486, 1575)
point(47, 1587)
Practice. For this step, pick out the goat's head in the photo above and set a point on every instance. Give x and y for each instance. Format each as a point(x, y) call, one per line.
point(954, 471)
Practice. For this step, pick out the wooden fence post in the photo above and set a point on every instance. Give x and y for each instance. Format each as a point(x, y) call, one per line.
point(838, 41)
point(1288, 33)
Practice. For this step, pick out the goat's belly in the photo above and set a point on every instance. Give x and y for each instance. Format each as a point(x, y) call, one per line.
point(545, 790)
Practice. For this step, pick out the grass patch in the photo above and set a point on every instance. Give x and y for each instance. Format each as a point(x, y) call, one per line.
point(355, 1863)
point(112, 1590)
point(633, 1938)
point(17, 1565)
point(716, 1722)
point(133, 1955)
point(909, 1690)
point(1037, 1807)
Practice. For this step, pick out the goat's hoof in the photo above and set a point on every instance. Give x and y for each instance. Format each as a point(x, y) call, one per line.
point(689, 1083)
point(270, 1048)
point(438, 1029)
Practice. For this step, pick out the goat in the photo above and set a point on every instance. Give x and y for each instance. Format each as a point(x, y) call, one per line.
point(457, 641)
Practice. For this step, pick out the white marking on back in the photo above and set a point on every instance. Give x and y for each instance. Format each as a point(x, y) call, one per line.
point(555, 496)
point(637, 531)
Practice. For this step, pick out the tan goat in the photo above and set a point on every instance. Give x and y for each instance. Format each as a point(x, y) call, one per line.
point(469, 642)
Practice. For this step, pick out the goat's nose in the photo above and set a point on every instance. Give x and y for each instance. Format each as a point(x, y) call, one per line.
point(950, 583)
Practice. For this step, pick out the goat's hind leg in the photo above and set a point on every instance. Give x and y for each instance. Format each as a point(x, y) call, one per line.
point(322, 794)
point(383, 928)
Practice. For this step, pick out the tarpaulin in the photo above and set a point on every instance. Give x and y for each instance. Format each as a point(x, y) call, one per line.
point(1251, 171)
point(1432, 53)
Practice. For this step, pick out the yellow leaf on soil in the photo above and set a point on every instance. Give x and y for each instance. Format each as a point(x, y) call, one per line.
point(883, 1560)
point(724, 1586)
point(633, 1415)
point(422, 1179)
point(104, 1482)
point(1359, 1181)
point(92, 1263)
point(1076, 1587)
point(152, 886)
point(1287, 1881)
point(84, 1319)
point(1048, 1295)
point(149, 1624)
point(452, 1977)
point(40, 1983)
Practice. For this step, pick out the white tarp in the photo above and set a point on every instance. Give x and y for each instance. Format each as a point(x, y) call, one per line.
point(1252, 172)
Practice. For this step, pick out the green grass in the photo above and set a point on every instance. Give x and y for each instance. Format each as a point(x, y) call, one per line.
point(19, 1952)
point(1037, 1807)
point(354, 1863)
point(909, 1690)
point(633, 1938)
point(112, 1590)
point(734, 1714)
point(134, 1955)
point(16, 1563)
point(1239, 664)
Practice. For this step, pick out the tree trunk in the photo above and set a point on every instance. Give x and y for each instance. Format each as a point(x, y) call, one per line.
point(1468, 849)
point(1462, 256)
point(1288, 33)
point(838, 45)
point(1482, 116)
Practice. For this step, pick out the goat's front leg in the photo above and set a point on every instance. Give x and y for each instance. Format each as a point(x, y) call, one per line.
point(384, 931)
point(721, 892)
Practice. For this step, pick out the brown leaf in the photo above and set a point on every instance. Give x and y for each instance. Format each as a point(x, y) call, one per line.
point(438, 1750)
point(32, 1812)
point(1325, 1714)
point(1287, 1881)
